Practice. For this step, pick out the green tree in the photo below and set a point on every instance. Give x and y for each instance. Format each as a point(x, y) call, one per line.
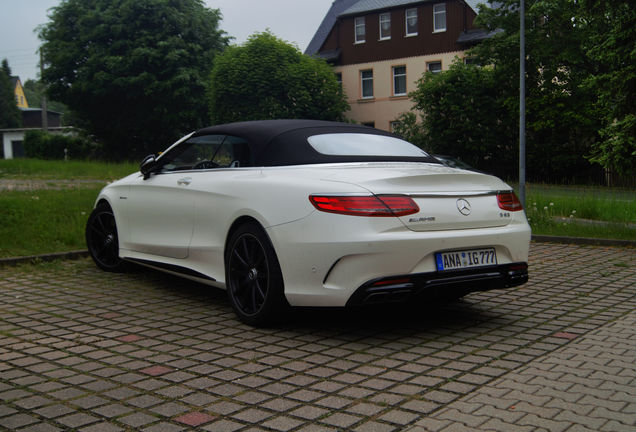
point(10, 116)
point(462, 116)
point(132, 71)
point(612, 32)
point(409, 128)
point(267, 78)
point(561, 122)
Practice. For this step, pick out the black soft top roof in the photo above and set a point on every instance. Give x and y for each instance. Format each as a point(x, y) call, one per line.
point(284, 142)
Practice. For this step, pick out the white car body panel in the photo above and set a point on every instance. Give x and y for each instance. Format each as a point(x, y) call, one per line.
point(324, 257)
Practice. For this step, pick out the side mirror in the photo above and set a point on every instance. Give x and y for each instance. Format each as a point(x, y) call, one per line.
point(147, 165)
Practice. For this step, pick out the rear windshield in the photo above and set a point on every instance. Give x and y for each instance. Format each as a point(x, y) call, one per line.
point(355, 144)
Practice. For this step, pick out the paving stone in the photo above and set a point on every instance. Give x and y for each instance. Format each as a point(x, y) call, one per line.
point(282, 423)
point(16, 421)
point(199, 399)
point(399, 417)
point(144, 401)
point(32, 402)
point(224, 407)
point(89, 402)
point(163, 427)
point(112, 410)
point(137, 419)
point(222, 426)
point(341, 420)
point(195, 419)
point(77, 420)
point(41, 427)
point(309, 412)
point(280, 405)
point(374, 426)
point(102, 427)
point(252, 415)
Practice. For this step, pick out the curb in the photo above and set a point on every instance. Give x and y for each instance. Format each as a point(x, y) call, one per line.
point(33, 259)
point(583, 241)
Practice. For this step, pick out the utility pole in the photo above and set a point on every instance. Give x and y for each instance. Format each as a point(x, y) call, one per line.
point(45, 113)
point(522, 103)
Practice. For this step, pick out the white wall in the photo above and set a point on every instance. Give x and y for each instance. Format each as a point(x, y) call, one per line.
point(7, 139)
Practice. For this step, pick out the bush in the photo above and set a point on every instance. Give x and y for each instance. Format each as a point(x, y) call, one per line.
point(43, 145)
point(267, 78)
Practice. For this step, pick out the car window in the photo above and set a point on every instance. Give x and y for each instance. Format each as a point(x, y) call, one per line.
point(236, 151)
point(207, 152)
point(357, 144)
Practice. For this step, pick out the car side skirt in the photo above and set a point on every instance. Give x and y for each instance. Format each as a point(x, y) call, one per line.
point(176, 270)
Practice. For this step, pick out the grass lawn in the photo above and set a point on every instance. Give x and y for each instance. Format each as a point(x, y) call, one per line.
point(52, 219)
point(35, 169)
point(577, 211)
point(44, 221)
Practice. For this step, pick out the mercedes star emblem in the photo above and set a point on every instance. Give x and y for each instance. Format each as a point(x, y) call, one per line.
point(463, 206)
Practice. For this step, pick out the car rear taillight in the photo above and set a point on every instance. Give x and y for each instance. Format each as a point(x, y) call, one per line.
point(374, 205)
point(509, 201)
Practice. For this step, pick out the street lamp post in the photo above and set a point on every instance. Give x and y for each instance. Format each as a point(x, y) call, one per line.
point(522, 104)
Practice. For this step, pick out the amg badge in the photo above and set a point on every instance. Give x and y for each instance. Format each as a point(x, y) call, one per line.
point(423, 219)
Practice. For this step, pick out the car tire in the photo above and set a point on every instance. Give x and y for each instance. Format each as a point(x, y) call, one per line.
point(102, 240)
point(254, 279)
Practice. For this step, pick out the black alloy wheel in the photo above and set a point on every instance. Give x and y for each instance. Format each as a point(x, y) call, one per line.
point(253, 276)
point(101, 239)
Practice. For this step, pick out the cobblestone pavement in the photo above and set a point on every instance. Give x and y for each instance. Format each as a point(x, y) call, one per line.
point(90, 351)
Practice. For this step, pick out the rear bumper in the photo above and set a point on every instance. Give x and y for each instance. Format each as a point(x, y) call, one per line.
point(436, 285)
point(326, 258)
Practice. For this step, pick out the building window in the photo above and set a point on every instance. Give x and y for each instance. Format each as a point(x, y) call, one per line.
point(399, 81)
point(393, 126)
point(339, 78)
point(434, 67)
point(385, 26)
point(366, 78)
point(439, 17)
point(411, 22)
point(361, 31)
point(370, 124)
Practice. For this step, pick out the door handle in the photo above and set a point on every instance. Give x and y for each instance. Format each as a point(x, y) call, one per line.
point(184, 181)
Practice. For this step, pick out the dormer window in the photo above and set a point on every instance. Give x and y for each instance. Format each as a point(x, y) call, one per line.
point(385, 26)
point(361, 30)
point(439, 17)
point(411, 22)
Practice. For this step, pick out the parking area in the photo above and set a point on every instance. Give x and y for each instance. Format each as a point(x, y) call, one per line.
point(85, 350)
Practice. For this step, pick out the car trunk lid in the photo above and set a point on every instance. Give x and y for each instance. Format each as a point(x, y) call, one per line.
point(448, 198)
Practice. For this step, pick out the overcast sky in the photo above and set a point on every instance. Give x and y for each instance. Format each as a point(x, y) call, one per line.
point(295, 21)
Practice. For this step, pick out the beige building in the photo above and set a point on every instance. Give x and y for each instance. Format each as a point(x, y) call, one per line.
point(390, 97)
point(381, 48)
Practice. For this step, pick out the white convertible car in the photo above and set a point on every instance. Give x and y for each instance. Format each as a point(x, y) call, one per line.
point(311, 213)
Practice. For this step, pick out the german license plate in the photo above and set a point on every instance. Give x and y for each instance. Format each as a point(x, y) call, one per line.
point(465, 259)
